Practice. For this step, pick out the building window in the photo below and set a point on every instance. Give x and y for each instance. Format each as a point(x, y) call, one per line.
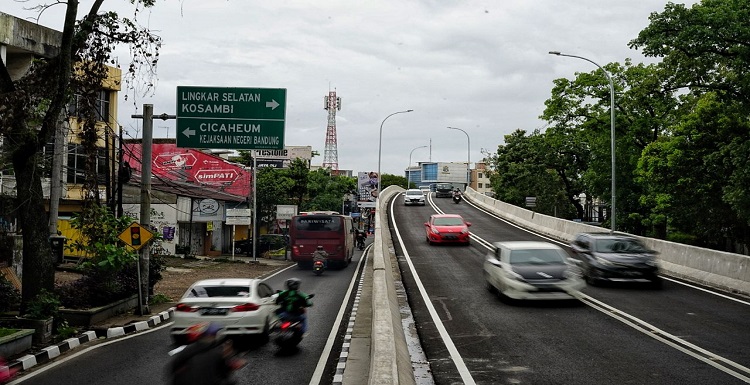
point(101, 107)
point(430, 171)
point(480, 175)
point(479, 185)
point(76, 169)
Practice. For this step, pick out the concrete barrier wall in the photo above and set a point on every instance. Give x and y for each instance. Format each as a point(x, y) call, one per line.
point(726, 271)
point(390, 362)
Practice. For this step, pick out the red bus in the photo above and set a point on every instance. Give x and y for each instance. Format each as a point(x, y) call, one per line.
point(331, 230)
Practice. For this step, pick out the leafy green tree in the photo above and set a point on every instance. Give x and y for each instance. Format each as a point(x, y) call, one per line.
point(31, 111)
point(390, 179)
point(298, 170)
point(272, 186)
point(705, 47)
point(326, 192)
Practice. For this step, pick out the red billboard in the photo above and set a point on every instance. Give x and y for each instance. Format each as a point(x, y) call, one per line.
point(191, 166)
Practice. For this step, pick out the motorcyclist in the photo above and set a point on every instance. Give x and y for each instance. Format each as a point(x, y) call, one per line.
point(320, 255)
point(361, 236)
point(210, 359)
point(293, 302)
point(456, 192)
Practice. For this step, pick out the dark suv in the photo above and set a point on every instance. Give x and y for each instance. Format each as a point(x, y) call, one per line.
point(608, 257)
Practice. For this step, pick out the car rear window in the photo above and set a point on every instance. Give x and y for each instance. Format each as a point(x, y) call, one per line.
point(448, 222)
point(417, 193)
point(534, 257)
point(619, 245)
point(219, 291)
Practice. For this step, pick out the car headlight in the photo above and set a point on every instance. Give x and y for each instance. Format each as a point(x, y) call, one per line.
point(604, 261)
point(464, 230)
point(435, 230)
point(510, 274)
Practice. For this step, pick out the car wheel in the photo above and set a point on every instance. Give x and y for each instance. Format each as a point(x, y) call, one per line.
point(264, 336)
point(490, 288)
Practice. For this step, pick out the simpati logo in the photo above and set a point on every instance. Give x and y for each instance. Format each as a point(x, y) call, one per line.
point(216, 176)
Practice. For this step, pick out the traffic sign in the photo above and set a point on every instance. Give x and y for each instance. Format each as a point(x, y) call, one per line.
point(136, 236)
point(231, 118)
point(286, 212)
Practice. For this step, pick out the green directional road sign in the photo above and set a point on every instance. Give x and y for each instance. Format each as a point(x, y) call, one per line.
point(231, 118)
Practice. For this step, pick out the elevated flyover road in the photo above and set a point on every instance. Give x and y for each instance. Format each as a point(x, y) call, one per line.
point(616, 334)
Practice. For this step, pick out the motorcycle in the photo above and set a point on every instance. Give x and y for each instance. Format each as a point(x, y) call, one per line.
point(319, 267)
point(361, 242)
point(286, 331)
point(456, 198)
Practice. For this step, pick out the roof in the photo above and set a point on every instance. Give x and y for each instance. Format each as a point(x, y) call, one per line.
point(226, 282)
point(518, 245)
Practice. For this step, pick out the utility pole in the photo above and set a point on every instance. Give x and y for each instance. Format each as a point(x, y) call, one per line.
point(55, 181)
point(146, 161)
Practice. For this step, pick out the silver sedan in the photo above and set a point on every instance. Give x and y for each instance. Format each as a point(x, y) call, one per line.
point(531, 270)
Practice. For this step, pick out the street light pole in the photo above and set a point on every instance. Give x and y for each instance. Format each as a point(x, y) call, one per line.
point(380, 143)
point(612, 127)
point(408, 172)
point(468, 155)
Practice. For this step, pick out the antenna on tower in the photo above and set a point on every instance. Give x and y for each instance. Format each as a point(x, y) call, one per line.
point(331, 154)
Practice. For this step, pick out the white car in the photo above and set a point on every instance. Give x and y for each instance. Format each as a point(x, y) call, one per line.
point(531, 270)
point(413, 196)
point(243, 307)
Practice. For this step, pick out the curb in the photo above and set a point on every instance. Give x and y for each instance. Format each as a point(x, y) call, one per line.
point(47, 354)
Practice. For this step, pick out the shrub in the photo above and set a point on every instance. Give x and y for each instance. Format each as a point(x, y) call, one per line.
point(10, 297)
point(43, 306)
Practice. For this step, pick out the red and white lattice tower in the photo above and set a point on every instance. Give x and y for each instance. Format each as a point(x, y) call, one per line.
point(331, 154)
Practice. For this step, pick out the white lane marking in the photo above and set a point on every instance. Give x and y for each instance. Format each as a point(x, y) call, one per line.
point(318, 374)
point(466, 377)
point(675, 342)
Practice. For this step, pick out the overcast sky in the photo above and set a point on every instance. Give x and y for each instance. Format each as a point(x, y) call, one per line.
point(482, 66)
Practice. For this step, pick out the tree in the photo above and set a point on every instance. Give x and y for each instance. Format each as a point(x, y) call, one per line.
point(705, 47)
point(32, 107)
point(390, 179)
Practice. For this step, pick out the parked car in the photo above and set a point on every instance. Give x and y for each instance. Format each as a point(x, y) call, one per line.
point(243, 307)
point(413, 197)
point(268, 242)
point(526, 270)
point(447, 228)
point(615, 257)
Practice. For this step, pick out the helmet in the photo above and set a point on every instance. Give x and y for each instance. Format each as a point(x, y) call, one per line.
point(320, 247)
point(292, 283)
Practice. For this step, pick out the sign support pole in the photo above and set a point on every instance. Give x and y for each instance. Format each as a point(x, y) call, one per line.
point(146, 160)
point(255, 207)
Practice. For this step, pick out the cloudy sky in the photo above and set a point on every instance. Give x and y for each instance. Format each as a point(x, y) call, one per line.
point(479, 65)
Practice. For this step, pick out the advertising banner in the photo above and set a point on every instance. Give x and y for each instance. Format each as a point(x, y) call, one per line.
point(368, 186)
point(192, 166)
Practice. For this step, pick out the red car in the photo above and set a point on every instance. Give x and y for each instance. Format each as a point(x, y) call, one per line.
point(447, 228)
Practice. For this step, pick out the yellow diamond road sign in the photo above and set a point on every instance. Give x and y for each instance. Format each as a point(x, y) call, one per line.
point(136, 236)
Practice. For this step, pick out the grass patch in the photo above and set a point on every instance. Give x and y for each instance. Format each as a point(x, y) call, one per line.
point(6, 332)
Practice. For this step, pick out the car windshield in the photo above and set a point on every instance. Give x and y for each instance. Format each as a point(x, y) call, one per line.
point(619, 245)
point(449, 221)
point(219, 291)
point(536, 257)
point(417, 193)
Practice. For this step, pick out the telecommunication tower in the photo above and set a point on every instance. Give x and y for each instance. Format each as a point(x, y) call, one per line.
point(331, 154)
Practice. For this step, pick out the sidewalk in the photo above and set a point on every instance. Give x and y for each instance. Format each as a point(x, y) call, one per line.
point(120, 325)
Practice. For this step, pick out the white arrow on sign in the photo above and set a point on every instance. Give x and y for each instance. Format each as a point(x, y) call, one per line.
point(273, 104)
point(188, 132)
